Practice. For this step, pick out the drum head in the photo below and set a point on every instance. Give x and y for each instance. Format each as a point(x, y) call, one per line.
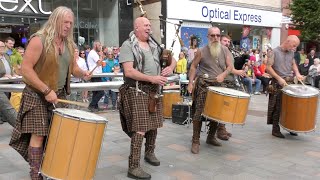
point(80, 115)
point(228, 92)
point(298, 90)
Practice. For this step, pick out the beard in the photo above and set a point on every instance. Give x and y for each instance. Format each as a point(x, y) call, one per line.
point(215, 49)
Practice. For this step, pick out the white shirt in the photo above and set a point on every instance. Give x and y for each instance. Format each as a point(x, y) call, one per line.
point(92, 59)
point(82, 64)
point(6, 65)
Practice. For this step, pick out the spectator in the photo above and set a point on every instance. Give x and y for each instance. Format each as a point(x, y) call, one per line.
point(303, 56)
point(84, 92)
point(94, 60)
point(251, 79)
point(108, 67)
point(312, 56)
point(314, 73)
point(181, 67)
point(260, 73)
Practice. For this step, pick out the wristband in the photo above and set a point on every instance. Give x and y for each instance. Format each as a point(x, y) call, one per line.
point(47, 91)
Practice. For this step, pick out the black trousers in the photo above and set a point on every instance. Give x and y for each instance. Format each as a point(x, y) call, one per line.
point(96, 95)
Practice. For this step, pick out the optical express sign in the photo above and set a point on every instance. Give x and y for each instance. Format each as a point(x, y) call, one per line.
point(206, 12)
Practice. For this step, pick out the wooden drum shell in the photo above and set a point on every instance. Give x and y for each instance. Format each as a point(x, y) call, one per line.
point(73, 148)
point(225, 108)
point(298, 114)
point(169, 98)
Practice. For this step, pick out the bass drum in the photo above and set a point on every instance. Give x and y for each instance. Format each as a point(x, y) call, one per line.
point(226, 105)
point(73, 145)
point(299, 106)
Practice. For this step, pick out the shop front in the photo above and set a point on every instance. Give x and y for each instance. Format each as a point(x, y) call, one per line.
point(94, 19)
point(248, 28)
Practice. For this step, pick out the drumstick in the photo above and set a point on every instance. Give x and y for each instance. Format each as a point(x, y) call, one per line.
point(73, 102)
point(93, 69)
point(302, 83)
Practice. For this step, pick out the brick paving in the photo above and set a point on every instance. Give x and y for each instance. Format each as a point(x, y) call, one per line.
point(251, 153)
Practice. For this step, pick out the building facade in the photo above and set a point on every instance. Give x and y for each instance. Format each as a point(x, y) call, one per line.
point(94, 19)
point(251, 24)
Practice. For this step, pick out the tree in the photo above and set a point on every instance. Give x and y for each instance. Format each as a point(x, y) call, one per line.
point(306, 18)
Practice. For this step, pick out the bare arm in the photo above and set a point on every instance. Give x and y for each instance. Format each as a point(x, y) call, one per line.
point(31, 57)
point(77, 71)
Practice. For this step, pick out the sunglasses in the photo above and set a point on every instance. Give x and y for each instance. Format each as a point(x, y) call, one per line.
point(214, 35)
point(82, 53)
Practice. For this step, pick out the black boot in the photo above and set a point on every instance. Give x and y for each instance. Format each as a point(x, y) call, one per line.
point(35, 156)
point(276, 130)
point(293, 134)
point(135, 171)
point(211, 139)
point(149, 155)
point(195, 147)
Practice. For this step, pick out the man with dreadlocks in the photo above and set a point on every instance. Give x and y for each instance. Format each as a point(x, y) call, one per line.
point(140, 108)
point(47, 66)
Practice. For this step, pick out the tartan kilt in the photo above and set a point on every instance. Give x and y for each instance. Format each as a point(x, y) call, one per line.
point(275, 100)
point(34, 117)
point(200, 95)
point(134, 109)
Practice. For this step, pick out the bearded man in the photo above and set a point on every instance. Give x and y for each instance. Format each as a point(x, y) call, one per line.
point(210, 67)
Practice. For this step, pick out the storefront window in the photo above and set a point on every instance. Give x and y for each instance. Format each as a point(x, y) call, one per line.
point(20, 19)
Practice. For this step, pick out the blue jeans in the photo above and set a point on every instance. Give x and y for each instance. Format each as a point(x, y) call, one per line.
point(8, 113)
point(114, 96)
point(248, 82)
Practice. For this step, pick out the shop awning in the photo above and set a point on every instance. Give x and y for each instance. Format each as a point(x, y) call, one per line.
point(293, 32)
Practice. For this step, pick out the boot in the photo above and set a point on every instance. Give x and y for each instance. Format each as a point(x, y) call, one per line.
point(211, 139)
point(35, 156)
point(135, 171)
point(196, 137)
point(276, 130)
point(222, 132)
point(149, 155)
point(293, 134)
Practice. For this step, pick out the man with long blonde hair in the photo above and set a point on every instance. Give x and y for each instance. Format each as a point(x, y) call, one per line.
point(46, 69)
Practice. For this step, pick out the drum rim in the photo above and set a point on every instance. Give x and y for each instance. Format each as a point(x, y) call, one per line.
point(294, 95)
point(289, 130)
point(100, 121)
point(231, 95)
point(222, 122)
point(50, 177)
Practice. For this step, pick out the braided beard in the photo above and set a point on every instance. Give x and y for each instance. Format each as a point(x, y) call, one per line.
point(215, 49)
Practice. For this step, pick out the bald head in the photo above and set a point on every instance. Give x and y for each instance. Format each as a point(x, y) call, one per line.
point(291, 43)
point(142, 28)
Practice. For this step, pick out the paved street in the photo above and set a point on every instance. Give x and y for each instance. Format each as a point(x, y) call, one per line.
point(251, 153)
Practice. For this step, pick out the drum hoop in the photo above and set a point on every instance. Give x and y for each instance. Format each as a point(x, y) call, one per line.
point(220, 121)
point(294, 95)
point(48, 176)
point(289, 130)
point(230, 95)
point(100, 121)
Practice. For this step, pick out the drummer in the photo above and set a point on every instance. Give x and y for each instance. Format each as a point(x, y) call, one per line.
point(280, 65)
point(214, 64)
point(53, 43)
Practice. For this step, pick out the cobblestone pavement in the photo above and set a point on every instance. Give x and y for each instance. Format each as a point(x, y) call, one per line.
point(251, 153)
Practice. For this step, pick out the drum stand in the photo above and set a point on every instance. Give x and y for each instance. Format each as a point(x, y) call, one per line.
point(189, 119)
